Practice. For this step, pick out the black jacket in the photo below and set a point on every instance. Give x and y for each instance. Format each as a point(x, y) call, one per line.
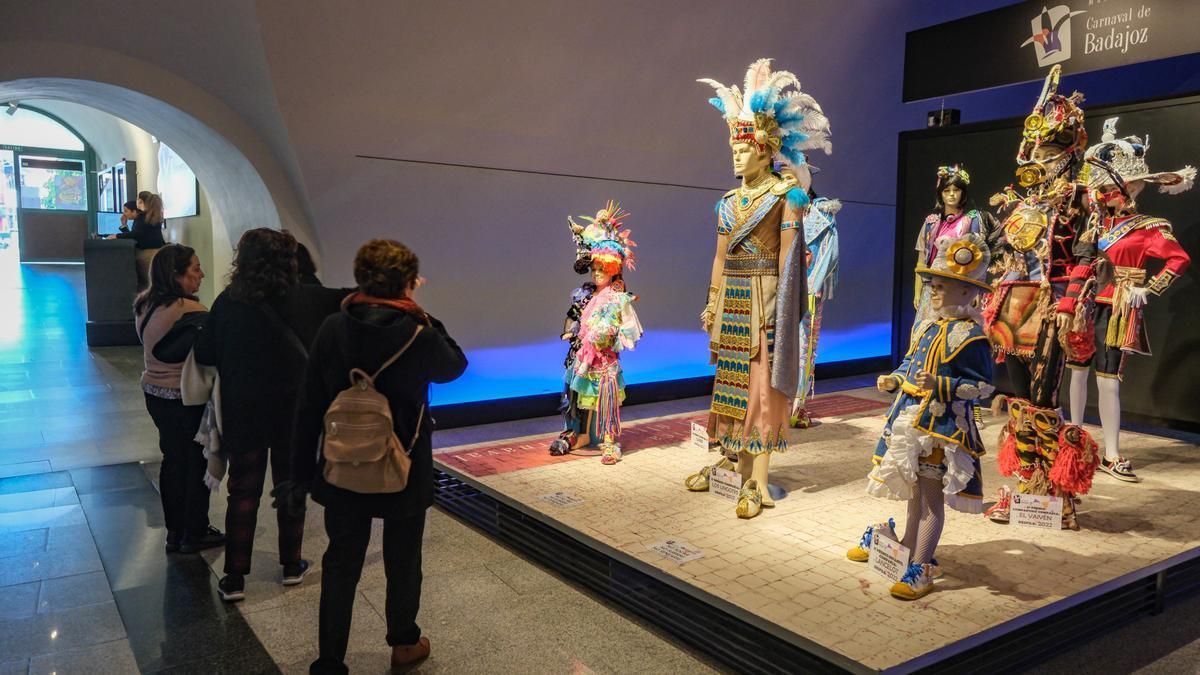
point(144, 235)
point(260, 367)
point(364, 336)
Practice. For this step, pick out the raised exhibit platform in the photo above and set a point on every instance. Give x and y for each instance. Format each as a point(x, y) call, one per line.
point(776, 593)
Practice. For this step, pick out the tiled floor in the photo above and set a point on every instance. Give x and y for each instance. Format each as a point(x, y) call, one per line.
point(86, 588)
point(789, 566)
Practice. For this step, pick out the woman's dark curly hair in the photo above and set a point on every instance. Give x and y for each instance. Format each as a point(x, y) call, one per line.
point(264, 266)
point(385, 268)
point(171, 262)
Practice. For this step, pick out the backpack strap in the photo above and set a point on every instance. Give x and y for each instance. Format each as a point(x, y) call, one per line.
point(420, 418)
point(399, 353)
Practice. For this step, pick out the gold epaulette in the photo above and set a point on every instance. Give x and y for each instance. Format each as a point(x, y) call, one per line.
point(786, 182)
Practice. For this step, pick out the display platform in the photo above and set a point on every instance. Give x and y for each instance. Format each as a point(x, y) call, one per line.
point(777, 594)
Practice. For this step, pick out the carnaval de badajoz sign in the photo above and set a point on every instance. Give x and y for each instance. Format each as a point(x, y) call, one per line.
point(1019, 42)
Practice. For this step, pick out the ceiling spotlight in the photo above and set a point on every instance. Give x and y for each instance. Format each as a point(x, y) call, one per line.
point(12, 107)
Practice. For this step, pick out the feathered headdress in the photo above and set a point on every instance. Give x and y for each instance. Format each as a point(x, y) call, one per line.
point(607, 238)
point(786, 122)
point(1126, 157)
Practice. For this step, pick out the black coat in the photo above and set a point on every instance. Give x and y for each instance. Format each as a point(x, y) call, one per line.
point(144, 235)
point(261, 368)
point(364, 336)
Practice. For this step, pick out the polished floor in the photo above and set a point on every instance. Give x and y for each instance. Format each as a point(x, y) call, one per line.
point(86, 588)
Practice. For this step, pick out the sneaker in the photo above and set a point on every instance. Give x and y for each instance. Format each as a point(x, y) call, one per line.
point(916, 583)
point(800, 419)
point(562, 445)
point(232, 587)
point(294, 574)
point(211, 538)
point(612, 455)
point(406, 656)
point(998, 512)
point(173, 542)
point(862, 552)
point(1120, 468)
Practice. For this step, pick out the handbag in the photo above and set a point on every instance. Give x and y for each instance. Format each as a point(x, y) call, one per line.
point(175, 346)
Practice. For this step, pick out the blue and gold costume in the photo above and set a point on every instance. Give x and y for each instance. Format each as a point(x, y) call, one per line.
point(933, 433)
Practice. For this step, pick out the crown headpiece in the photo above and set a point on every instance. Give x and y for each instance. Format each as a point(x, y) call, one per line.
point(606, 238)
point(1126, 158)
point(768, 114)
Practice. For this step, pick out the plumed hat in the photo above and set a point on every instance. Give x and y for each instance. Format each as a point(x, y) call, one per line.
point(1126, 157)
point(606, 238)
point(768, 114)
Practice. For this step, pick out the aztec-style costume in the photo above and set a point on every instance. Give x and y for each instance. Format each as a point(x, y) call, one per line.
point(575, 419)
point(607, 325)
point(756, 305)
point(1039, 253)
point(928, 454)
point(1125, 242)
point(938, 226)
point(821, 238)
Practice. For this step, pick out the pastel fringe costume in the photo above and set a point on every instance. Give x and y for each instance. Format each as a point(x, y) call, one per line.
point(608, 325)
point(821, 237)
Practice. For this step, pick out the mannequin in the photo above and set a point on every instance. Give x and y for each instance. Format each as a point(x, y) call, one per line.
point(955, 216)
point(608, 325)
point(577, 427)
point(1035, 303)
point(757, 296)
point(1125, 242)
point(821, 239)
point(928, 454)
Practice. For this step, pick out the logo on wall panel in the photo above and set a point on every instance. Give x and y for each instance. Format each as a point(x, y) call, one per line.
point(1051, 37)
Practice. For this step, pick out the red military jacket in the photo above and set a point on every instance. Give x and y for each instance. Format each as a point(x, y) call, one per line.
point(1130, 241)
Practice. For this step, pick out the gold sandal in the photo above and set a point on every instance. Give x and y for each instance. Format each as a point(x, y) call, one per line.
point(698, 482)
point(749, 502)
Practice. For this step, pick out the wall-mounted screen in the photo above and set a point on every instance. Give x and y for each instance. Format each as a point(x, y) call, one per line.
point(53, 183)
point(176, 185)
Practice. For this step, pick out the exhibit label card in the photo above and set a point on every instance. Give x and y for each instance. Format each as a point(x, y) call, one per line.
point(725, 483)
point(889, 559)
point(1040, 511)
point(699, 436)
point(562, 499)
point(679, 551)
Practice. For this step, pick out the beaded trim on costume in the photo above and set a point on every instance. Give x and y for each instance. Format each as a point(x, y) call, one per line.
point(737, 441)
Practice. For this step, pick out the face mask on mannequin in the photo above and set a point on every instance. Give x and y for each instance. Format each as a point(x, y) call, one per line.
point(952, 199)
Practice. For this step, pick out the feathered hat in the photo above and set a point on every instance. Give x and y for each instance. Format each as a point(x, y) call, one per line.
point(606, 238)
point(1055, 120)
point(786, 122)
point(964, 259)
point(1126, 157)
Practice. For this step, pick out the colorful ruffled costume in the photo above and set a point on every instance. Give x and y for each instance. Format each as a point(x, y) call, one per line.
point(607, 326)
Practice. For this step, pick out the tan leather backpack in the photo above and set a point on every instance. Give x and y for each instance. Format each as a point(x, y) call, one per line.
point(362, 452)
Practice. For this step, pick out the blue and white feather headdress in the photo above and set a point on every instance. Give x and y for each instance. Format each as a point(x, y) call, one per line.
point(765, 113)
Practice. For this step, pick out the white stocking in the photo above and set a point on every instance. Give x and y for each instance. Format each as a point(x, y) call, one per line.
point(1110, 414)
point(1079, 393)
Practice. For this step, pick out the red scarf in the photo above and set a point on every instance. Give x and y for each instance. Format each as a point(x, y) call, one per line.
point(406, 305)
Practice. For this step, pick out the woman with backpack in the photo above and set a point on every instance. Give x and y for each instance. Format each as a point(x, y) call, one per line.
point(175, 277)
point(381, 349)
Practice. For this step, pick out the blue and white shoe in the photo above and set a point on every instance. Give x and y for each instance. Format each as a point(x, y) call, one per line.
point(862, 552)
point(916, 583)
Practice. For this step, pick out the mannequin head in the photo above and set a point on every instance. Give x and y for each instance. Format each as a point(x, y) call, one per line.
point(602, 278)
point(1115, 200)
point(750, 162)
point(953, 189)
point(951, 299)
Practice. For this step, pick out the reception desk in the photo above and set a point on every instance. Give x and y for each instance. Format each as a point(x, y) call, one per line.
point(111, 284)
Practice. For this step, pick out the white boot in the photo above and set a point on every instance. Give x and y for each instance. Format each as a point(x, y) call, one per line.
point(1110, 419)
point(1079, 393)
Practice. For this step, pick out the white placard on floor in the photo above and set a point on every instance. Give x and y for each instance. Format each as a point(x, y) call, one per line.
point(888, 558)
point(699, 436)
point(725, 483)
point(562, 499)
point(679, 551)
point(1040, 511)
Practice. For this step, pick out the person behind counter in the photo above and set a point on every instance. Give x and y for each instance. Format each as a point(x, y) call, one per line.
point(146, 233)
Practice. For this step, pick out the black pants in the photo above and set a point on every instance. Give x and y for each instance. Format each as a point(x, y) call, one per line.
point(181, 477)
point(349, 533)
point(251, 447)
